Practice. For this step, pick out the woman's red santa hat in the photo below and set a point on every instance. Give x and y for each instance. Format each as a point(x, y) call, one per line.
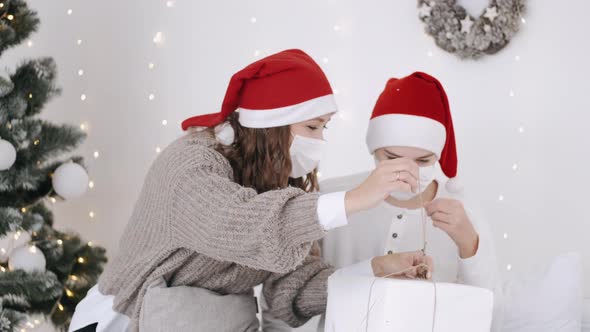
point(414, 111)
point(279, 90)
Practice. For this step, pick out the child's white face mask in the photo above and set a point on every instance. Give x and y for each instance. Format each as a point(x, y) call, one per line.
point(426, 177)
point(305, 155)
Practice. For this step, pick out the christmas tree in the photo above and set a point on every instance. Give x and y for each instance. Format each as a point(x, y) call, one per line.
point(44, 273)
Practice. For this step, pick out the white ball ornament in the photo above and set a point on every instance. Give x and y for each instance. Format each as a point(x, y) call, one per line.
point(7, 155)
point(70, 180)
point(28, 258)
point(10, 241)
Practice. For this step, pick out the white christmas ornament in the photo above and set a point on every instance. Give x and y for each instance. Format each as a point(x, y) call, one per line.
point(28, 258)
point(10, 241)
point(7, 155)
point(70, 180)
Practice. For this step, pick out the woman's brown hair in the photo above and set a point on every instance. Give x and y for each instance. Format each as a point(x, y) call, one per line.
point(260, 158)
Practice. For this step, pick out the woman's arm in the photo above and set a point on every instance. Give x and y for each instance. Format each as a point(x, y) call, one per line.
point(297, 296)
point(214, 216)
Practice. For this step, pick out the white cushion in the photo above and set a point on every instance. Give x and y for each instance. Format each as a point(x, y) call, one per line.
point(549, 302)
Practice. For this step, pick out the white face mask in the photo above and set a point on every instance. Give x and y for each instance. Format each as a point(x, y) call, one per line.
point(426, 178)
point(305, 155)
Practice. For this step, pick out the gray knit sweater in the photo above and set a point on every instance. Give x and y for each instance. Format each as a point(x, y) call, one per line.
point(194, 226)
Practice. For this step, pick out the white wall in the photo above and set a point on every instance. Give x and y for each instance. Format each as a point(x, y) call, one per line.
point(205, 42)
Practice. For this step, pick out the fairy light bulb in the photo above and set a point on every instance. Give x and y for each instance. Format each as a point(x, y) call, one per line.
point(256, 53)
point(170, 4)
point(521, 129)
point(501, 198)
point(80, 72)
point(30, 43)
point(23, 210)
point(81, 260)
point(158, 38)
point(83, 97)
point(505, 236)
point(90, 243)
point(74, 278)
point(70, 12)
point(509, 267)
point(158, 150)
point(429, 53)
point(151, 65)
point(91, 184)
point(164, 122)
point(69, 293)
point(60, 307)
point(96, 154)
point(53, 200)
point(517, 58)
point(60, 242)
point(10, 17)
point(337, 28)
point(253, 19)
point(79, 42)
point(91, 214)
point(151, 96)
point(511, 93)
point(515, 167)
point(325, 60)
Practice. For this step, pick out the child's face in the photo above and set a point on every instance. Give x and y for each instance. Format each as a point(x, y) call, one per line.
point(422, 157)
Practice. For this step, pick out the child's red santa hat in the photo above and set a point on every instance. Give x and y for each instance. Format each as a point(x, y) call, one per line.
point(414, 111)
point(279, 90)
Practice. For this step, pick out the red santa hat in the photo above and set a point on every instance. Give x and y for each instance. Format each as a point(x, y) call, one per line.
point(414, 111)
point(281, 89)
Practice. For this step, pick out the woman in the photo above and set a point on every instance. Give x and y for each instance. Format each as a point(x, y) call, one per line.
point(222, 211)
point(412, 124)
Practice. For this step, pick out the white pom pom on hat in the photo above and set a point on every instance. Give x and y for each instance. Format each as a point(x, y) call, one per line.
point(224, 133)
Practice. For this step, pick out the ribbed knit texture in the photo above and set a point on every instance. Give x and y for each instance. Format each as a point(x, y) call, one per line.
point(194, 226)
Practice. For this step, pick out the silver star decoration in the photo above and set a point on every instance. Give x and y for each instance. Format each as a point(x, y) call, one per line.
point(424, 10)
point(491, 13)
point(466, 24)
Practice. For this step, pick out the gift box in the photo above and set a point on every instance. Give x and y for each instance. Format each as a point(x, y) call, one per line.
point(405, 305)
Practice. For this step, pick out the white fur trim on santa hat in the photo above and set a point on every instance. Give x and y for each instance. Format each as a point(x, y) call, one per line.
point(283, 116)
point(406, 130)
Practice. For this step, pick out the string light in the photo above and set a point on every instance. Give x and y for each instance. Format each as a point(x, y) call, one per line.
point(69, 293)
point(151, 96)
point(83, 97)
point(36, 142)
point(30, 96)
point(53, 200)
point(96, 154)
point(319, 174)
point(151, 65)
point(515, 167)
point(508, 267)
point(10, 17)
point(73, 277)
point(60, 307)
point(91, 214)
point(511, 93)
point(170, 4)
point(30, 43)
point(81, 260)
point(158, 38)
point(505, 236)
point(501, 198)
point(430, 53)
point(60, 242)
point(79, 42)
point(253, 19)
point(158, 150)
point(1, 5)
point(80, 72)
point(521, 129)
point(325, 60)
point(2, 269)
point(336, 28)
point(90, 243)
point(517, 58)
point(91, 184)
point(164, 122)
point(23, 210)
point(70, 12)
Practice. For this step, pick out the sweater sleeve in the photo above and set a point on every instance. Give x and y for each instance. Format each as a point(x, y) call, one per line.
point(297, 296)
point(219, 218)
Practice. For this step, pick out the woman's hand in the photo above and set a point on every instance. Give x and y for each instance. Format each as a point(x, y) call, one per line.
point(450, 216)
point(399, 174)
point(412, 264)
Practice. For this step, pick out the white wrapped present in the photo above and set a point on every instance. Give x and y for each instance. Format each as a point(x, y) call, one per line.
point(405, 305)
